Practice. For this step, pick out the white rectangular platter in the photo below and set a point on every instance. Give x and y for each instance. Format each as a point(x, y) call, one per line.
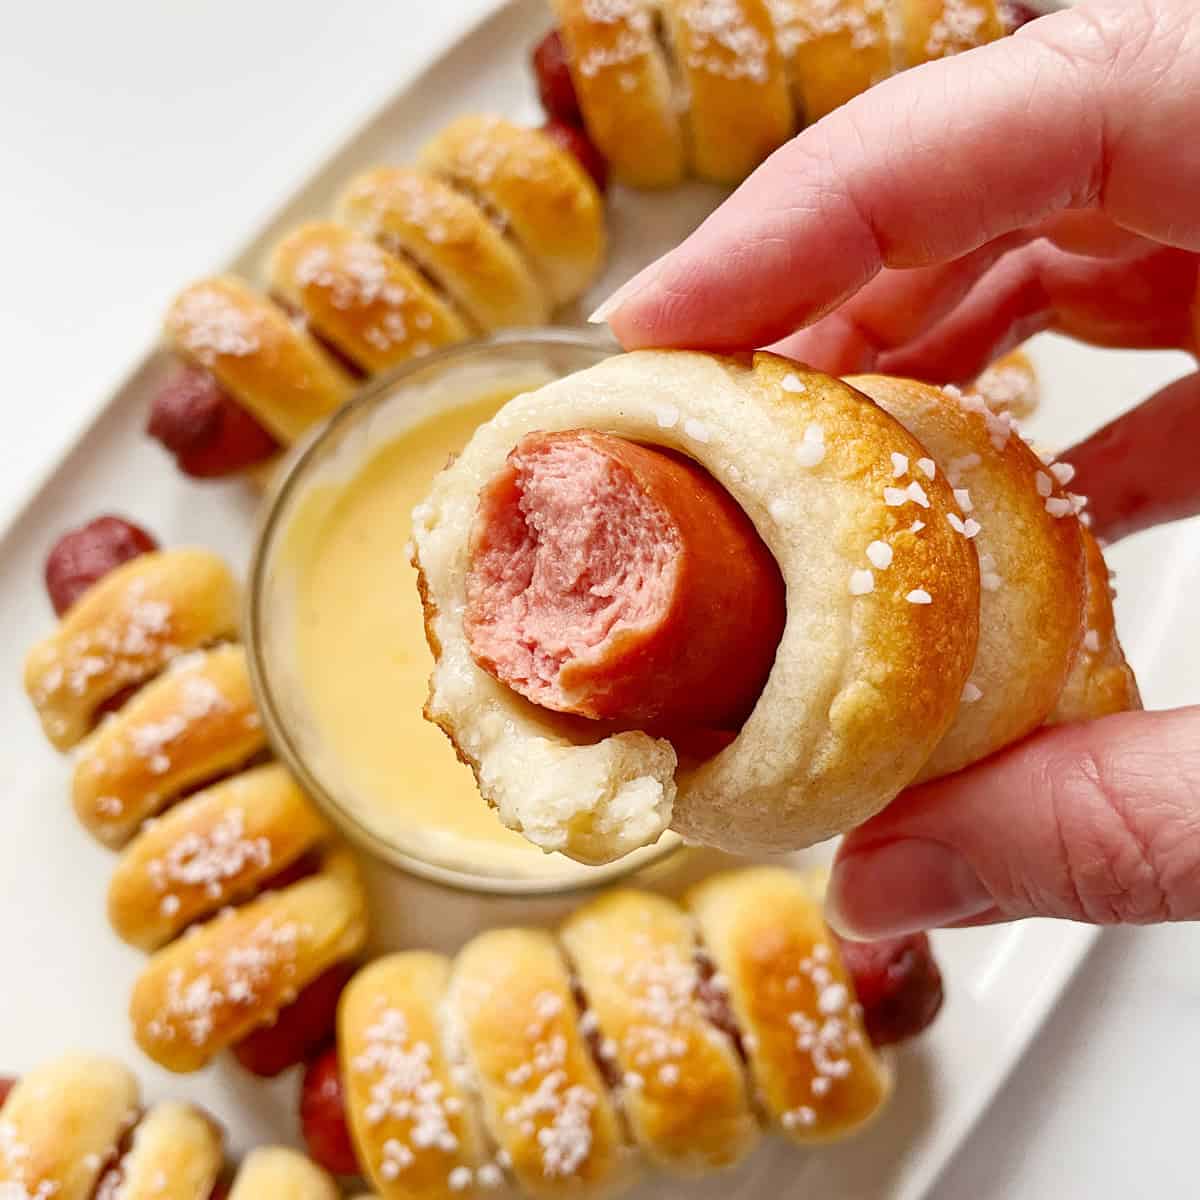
point(65, 979)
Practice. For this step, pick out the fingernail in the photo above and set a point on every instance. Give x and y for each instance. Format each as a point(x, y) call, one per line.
point(902, 887)
point(630, 288)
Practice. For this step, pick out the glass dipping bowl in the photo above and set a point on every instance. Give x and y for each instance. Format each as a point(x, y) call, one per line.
point(367, 804)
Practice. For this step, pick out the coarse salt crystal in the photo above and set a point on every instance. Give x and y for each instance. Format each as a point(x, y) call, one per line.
point(962, 497)
point(928, 466)
point(1045, 485)
point(880, 555)
point(916, 527)
point(955, 522)
point(459, 1179)
point(916, 493)
point(489, 1176)
point(919, 596)
point(1063, 472)
point(792, 382)
point(861, 583)
point(811, 450)
point(971, 528)
point(666, 416)
point(832, 999)
point(696, 430)
point(899, 464)
point(970, 693)
point(1058, 507)
point(893, 497)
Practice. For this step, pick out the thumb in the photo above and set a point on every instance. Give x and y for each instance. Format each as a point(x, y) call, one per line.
point(1097, 822)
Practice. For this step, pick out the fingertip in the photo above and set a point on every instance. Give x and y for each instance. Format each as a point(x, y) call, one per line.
point(900, 887)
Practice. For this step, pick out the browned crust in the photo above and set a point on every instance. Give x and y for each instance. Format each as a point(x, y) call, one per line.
point(549, 204)
point(833, 53)
point(371, 305)
point(624, 87)
point(222, 980)
point(123, 631)
point(411, 213)
point(177, 1154)
point(392, 1047)
point(62, 1123)
point(1030, 620)
point(1101, 682)
point(933, 29)
point(739, 100)
point(544, 1101)
point(193, 723)
point(635, 957)
point(262, 359)
point(1010, 384)
point(817, 1076)
point(275, 1171)
point(214, 848)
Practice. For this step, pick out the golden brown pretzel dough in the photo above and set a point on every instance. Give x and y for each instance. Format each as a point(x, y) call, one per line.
point(623, 82)
point(177, 1153)
point(123, 631)
point(226, 978)
point(1101, 682)
point(217, 846)
point(739, 104)
point(195, 721)
point(276, 1173)
point(375, 308)
point(817, 1076)
point(545, 199)
point(415, 1128)
point(939, 28)
point(410, 212)
point(689, 1107)
point(266, 363)
point(834, 49)
point(60, 1125)
point(545, 1105)
point(1031, 605)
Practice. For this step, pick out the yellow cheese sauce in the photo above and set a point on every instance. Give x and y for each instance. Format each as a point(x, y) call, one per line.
point(362, 662)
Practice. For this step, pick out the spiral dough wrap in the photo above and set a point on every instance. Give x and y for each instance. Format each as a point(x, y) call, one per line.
point(936, 594)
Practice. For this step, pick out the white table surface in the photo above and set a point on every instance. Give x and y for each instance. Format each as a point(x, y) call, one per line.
point(140, 142)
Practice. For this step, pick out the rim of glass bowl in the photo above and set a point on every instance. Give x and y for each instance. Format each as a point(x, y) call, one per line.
point(292, 475)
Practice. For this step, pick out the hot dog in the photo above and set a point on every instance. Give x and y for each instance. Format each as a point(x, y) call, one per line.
point(644, 589)
point(85, 555)
point(299, 1029)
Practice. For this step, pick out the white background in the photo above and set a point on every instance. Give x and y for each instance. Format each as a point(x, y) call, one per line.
point(139, 143)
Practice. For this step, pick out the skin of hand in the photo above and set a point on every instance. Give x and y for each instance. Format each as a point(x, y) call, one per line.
point(1047, 181)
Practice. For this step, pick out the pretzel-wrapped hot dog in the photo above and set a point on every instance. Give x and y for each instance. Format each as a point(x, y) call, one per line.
point(685, 1029)
point(934, 570)
point(74, 1129)
point(228, 873)
point(868, 672)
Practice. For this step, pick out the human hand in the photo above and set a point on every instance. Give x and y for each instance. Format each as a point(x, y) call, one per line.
point(1049, 181)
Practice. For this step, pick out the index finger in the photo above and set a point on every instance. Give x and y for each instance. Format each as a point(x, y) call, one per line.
point(1084, 109)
